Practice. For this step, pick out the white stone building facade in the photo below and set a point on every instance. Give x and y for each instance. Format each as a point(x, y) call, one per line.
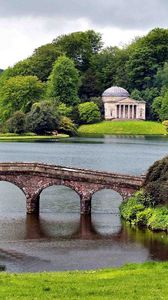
point(119, 105)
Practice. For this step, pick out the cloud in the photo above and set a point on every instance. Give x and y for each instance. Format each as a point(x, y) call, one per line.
point(125, 14)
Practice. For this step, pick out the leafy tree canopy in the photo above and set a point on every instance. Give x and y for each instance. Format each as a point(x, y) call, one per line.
point(89, 113)
point(79, 46)
point(19, 93)
point(63, 82)
point(42, 118)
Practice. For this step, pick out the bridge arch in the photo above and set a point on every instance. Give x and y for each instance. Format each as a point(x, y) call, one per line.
point(106, 200)
point(12, 198)
point(12, 180)
point(60, 183)
point(57, 194)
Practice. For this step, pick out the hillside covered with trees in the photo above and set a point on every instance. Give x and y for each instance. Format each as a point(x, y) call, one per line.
point(61, 84)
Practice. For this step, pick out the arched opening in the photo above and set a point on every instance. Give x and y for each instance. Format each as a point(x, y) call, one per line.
point(59, 211)
point(12, 211)
point(105, 211)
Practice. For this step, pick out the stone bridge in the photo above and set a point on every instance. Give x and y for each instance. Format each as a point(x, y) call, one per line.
point(33, 178)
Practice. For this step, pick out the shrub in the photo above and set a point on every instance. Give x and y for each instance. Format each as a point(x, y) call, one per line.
point(156, 182)
point(89, 113)
point(67, 126)
point(65, 110)
point(43, 118)
point(142, 217)
point(130, 208)
point(159, 219)
point(16, 124)
point(165, 123)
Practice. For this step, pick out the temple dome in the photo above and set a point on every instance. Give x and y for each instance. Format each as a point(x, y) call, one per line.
point(115, 91)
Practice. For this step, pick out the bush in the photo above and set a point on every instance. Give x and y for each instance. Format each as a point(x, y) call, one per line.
point(165, 123)
point(67, 126)
point(16, 124)
point(89, 113)
point(43, 118)
point(159, 219)
point(65, 110)
point(142, 217)
point(156, 182)
point(130, 208)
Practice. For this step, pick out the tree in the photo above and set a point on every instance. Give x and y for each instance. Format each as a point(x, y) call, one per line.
point(19, 93)
point(161, 79)
point(65, 110)
point(43, 59)
point(156, 182)
point(89, 113)
point(63, 82)
point(16, 124)
point(141, 68)
point(67, 126)
point(160, 106)
point(80, 47)
point(42, 118)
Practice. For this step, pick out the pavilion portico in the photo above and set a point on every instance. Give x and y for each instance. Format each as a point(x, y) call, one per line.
point(119, 105)
point(124, 111)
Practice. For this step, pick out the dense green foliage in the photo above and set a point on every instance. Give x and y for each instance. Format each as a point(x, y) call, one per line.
point(150, 206)
point(43, 118)
point(132, 282)
point(123, 127)
point(63, 82)
point(67, 126)
point(17, 123)
point(88, 113)
point(141, 210)
point(19, 93)
point(156, 183)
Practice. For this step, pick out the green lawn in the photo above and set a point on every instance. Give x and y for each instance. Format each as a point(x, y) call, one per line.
point(137, 282)
point(26, 138)
point(123, 127)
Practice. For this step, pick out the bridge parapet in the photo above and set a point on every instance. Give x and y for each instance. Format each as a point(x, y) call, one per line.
point(32, 178)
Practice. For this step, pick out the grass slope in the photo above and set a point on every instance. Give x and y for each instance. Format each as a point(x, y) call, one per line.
point(145, 281)
point(123, 127)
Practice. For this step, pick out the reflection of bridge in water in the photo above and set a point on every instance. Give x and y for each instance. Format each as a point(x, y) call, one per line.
point(33, 178)
point(86, 230)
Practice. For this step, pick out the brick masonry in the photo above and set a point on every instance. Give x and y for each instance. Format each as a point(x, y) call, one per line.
point(33, 178)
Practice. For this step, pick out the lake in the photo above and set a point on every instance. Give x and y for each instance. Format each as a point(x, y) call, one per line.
point(61, 239)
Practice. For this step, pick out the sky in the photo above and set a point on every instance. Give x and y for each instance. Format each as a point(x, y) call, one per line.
point(28, 24)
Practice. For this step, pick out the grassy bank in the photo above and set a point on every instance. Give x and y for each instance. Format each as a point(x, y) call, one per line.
point(27, 138)
point(123, 127)
point(144, 281)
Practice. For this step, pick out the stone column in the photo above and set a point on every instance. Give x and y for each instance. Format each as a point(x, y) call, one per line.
point(135, 108)
point(119, 111)
point(128, 111)
point(116, 112)
point(32, 204)
point(132, 111)
point(85, 204)
point(124, 111)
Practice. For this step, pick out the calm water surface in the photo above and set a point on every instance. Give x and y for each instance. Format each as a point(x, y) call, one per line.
point(59, 239)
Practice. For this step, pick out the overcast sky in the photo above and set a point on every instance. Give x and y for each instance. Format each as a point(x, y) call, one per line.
point(26, 25)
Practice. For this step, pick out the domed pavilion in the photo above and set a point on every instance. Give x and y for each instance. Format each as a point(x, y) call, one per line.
point(119, 105)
